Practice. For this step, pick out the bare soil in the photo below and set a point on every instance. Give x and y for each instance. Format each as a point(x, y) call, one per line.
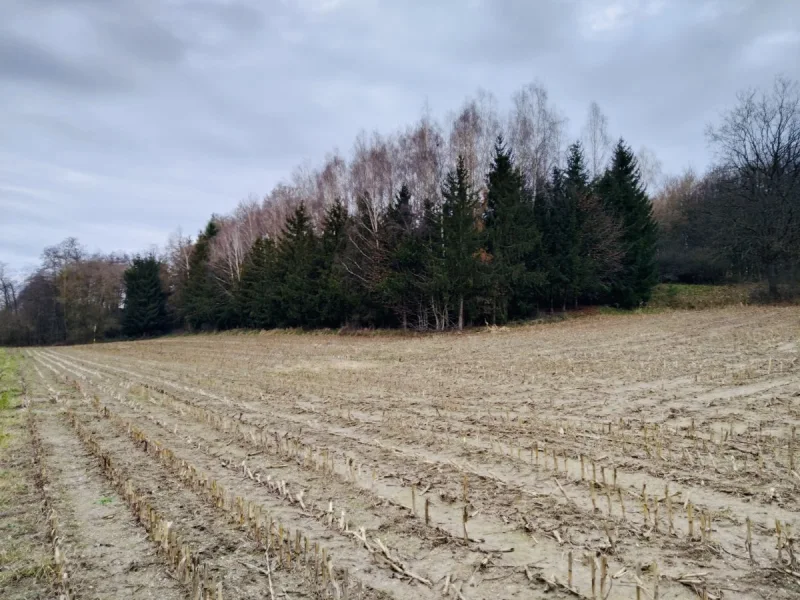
point(600, 457)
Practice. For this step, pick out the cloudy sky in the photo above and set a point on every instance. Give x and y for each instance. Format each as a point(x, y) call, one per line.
point(121, 120)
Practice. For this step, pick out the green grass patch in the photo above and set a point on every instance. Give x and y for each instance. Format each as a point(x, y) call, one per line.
point(9, 378)
point(692, 296)
point(10, 391)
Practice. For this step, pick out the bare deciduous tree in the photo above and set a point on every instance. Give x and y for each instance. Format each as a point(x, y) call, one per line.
point(650, 169)
point(421, 160)
point(596, 140)
point(536, 133)
point(8, 289)
point(758, 148)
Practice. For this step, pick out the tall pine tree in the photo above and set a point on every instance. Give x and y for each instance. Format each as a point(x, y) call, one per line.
point(298, 272)
point(202, 302)
point(257, 294)
point(513, 241)
point(405, 258)
point(625, 198)
point(335, 300)
point(145, 310)
point(573, 258)
point(461, 239)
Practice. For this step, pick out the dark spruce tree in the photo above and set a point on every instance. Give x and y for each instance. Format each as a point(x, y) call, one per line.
point(335, 300)
point(202, 304)
point(515, 273)
point(257, 295)
point(406, 258)
point(298, 272)
point(145, 309)
point(461, 239)
point(625, 198)
point(573, 261)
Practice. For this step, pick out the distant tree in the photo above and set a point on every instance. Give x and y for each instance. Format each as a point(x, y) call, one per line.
point(512, 241)
point(405, 256)
point(8, 290)
point(258, 290)
point(335, 299)
point(461, 240)
point(756, 209)
point(202, 302)
point(596, 140)
point(624, 197)
point(686, 249)
point(145, 309)
point(366, 254)
point(298, 272)
point(177, 258)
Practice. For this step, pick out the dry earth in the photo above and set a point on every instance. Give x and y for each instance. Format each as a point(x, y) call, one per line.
point(635, 456)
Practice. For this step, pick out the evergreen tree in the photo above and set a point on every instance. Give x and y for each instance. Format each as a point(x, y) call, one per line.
point(257, 296)
point(335, 301)
point(554, 217)
point(624, 196)
point(572, 259)
point(513, 241)
point(400, 286)
point(432, 280)
point(298, 272)
point(201, 298)
point(461, 239)
point(145, 310)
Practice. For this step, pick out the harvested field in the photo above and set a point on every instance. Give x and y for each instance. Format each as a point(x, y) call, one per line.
point(634, 456)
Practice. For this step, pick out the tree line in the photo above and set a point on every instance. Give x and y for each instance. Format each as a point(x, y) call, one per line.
point(436, 263)
point(486, 220)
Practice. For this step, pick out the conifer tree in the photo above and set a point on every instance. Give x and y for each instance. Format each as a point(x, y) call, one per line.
point(624, 196)
point(553, 218)
point(201, 298)
point(405, 261)
point(257, 295)
point(335, 301)
point(145, 310)
point(513, 241)
point(298, 272)
point(573, 259)
point(461, 240)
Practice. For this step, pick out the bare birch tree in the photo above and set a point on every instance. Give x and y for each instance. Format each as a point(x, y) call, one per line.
point(536, 133)
point(758, 149)
point(596, 140)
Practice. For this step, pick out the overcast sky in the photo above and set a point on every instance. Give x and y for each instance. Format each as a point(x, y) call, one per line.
point(121, 120)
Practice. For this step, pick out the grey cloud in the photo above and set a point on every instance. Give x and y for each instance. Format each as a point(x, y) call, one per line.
point(25, 61)
point(141, 39)
point(168, 110)
point(236, 16)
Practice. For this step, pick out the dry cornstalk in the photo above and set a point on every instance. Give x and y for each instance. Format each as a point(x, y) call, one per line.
point(569, 569)
point(608, 535)
point(603, 570)
point(655, 584)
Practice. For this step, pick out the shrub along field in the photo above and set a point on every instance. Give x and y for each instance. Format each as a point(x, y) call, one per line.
point(637, 456)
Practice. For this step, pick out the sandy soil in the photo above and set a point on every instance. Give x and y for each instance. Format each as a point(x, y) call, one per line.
point(594, 457)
